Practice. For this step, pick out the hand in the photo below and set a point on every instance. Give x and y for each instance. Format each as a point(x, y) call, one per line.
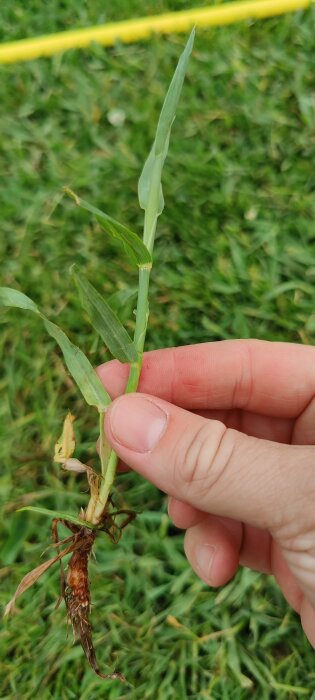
point(227, 429)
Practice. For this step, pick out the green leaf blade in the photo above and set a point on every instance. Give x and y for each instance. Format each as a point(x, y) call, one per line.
point(150, 192)
point(152, 169)
point(169, 107)
point(77, 363)
point(105, 321)
point(60, 515)
point(80, 368)
point(14, 298)
point(133, 245)
point(118, 301)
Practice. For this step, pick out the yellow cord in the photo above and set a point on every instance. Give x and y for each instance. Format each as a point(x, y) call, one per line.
point(135, 29)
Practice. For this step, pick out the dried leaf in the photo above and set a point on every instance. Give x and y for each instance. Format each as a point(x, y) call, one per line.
point(33, 576)
point(74, 465)
point(171, 620)
point(64, 447)
point(94, 483)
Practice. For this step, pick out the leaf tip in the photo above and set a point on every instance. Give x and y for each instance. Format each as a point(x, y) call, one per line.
point(72, 194)
point(190, 41)
point(8, 608)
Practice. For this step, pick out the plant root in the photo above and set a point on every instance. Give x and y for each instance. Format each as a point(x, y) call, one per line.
point(75, 587)
point(74, 584)
point(78, 599)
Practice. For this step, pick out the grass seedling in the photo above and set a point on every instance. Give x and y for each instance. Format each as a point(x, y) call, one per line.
point(99, 515)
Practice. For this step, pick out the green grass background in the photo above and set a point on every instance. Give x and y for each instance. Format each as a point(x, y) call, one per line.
point(234, 258)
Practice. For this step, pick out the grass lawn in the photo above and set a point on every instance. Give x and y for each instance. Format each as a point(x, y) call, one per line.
point(234, 257)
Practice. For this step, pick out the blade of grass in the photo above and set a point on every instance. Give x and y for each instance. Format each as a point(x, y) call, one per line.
point(14, 298)
point(120, 300)
point(58, 514)
point(104, 320)
point(80, 368)
point(168, 110)
point(149, 187)
point(133, 245)
point(78, 364)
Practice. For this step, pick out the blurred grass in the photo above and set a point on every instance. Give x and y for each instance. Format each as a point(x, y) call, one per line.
point(234, 258)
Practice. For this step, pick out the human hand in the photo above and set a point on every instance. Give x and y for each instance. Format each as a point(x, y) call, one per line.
point(227, 430)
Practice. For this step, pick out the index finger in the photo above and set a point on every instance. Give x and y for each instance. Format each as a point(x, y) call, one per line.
point(275, 379)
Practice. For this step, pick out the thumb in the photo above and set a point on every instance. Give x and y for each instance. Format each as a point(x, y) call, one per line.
point(216, 469)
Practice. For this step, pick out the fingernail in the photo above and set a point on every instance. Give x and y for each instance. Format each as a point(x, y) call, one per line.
point(137, 423)
point(205, 554)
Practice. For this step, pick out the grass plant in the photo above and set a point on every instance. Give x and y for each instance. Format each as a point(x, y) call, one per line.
point(240, 265)
point(98, 515)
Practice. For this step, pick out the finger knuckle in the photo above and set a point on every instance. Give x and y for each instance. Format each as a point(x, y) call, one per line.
point(205, 457)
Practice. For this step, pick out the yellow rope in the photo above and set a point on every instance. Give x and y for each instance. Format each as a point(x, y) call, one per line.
point(135, 29)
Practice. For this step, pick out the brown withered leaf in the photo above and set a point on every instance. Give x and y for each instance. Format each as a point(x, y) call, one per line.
point(74, 465)
point(64, 447)
point(29, 579)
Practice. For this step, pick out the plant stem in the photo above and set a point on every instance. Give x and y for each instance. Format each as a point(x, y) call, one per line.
point(109, 469)
point(107, 482)
point(140, 329)
point(92, 512)
point(152, 210)
point(103, 446)
point(109, 465)
point(142, 314)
